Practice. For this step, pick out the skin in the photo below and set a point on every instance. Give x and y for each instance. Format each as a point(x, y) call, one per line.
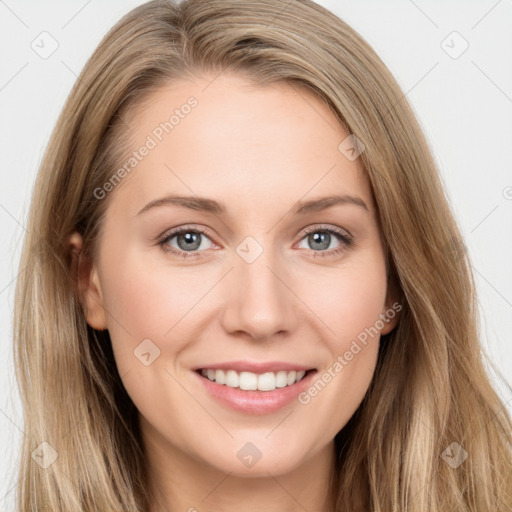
point(256, 150)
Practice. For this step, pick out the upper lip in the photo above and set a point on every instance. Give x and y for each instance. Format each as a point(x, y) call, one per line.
point(255, 367)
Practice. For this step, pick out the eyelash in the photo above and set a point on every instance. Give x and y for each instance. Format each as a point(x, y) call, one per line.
point(346, 241)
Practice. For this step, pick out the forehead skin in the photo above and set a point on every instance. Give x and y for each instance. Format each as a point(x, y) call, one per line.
point(228, 144)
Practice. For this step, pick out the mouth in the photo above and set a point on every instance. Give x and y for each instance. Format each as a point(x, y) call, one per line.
point(249, 381)
point(256, 392)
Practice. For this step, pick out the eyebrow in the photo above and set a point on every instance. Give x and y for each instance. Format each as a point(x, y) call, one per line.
point(216, 208)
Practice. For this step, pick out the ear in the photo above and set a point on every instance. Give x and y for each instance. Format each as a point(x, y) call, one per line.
point(85, 274)
point(392, 309)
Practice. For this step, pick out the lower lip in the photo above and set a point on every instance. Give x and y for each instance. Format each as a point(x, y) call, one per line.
point(255, 402)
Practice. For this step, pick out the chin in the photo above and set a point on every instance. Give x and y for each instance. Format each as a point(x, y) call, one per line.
point(250, 459)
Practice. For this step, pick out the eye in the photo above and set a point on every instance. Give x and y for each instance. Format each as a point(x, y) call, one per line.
point(320, 238)
point(185, 242)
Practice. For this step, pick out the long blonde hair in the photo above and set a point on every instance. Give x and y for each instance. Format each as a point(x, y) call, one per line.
point(430, 389)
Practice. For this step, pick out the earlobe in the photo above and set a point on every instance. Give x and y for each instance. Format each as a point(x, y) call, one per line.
point(391, 314)
point(393, 305)
point(390, 319)
point(85, 275)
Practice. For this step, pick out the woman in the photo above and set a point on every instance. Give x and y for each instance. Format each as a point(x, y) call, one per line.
point(182, 341)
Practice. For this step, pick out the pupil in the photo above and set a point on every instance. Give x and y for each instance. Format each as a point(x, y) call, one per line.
point(316, 238)
point(192, 241)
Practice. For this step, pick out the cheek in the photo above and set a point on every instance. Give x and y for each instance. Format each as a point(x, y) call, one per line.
point(349, 300)
point(351, 305)
point(148, 308)
point(354, 305)
point(148, 301)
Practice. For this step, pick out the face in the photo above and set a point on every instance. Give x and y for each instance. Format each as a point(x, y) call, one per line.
point(250, 276)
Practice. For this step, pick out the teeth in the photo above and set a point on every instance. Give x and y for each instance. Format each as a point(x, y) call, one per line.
point(267, 381)
point(231, 379)
point(251, 381)
point(219, 377)
point(281, 379)
point(300, 375)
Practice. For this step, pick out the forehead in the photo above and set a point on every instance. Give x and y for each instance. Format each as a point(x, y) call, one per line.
point(226, 137)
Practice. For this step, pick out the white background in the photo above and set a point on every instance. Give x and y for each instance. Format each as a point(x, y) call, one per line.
point(464, 105)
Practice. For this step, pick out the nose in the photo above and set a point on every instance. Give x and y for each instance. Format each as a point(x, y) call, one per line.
point(259, 301)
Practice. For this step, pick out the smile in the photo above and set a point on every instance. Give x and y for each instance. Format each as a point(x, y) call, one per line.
point(254, 393)
point(248, 381)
